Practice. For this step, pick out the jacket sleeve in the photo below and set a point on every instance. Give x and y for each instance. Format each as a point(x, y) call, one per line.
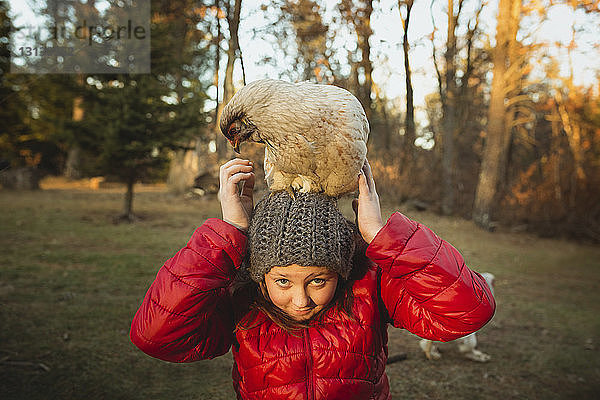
point(426, 287)
point(187, 312)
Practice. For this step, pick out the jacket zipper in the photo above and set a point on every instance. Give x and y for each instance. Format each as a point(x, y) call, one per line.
point(309, 366)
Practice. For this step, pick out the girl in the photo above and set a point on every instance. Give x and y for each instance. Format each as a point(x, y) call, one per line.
point(302, 299)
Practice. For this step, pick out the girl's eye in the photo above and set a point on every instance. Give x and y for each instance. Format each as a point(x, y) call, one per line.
point(282, 282)
point(318, 281)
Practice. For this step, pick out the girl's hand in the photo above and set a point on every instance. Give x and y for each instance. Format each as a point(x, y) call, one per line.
point(237, 205)
point(366, 207)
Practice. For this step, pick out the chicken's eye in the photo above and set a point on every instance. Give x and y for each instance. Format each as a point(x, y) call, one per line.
point(233, 130)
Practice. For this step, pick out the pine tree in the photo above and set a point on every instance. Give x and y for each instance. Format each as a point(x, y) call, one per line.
point(133, 122)
point(12, 109)
point(127, 127)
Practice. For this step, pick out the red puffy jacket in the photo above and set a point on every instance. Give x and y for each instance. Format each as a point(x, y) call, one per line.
point(417, 281)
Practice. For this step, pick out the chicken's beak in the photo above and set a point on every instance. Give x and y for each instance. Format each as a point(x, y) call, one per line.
point(236, 145)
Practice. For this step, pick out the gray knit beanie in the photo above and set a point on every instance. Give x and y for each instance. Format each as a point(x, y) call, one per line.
point(308, 230)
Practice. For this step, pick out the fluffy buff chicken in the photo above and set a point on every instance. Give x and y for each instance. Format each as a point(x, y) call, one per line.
point(315, 135)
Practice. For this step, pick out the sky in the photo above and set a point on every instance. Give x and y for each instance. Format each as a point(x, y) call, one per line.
point(386, 42)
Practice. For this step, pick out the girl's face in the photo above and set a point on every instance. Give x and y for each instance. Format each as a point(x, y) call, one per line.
point(301, 292)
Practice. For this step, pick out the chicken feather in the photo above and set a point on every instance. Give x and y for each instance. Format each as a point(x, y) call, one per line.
point(315, 135)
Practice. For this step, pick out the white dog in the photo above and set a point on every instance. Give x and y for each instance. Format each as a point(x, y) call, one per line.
point(466, 344)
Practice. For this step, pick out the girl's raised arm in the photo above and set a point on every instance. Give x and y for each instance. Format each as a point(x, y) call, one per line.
point(425, 285)
point(187, 314)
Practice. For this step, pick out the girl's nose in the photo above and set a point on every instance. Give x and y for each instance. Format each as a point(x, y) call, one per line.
point(300, 299)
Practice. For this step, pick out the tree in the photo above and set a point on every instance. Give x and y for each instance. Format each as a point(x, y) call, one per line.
point(35, 111)
point(357, 13)
point(13, 130)
point(447, 91)
point(496, 139)
point(449, 107)
point(181, 61)
point(310, 31)
point(128, 128)
point(303, 39)
point(233, 21)
point(461, 91)
point(89, 13)
point(134, 122)
point(409, 121)
point(233, 48)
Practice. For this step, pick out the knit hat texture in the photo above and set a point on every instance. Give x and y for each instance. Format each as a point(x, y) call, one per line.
point(309, 230)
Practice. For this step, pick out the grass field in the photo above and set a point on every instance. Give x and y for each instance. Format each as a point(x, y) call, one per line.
point(71, 280)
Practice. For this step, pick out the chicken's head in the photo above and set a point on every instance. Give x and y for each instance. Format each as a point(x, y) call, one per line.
point(241, 116)
point(237, 128)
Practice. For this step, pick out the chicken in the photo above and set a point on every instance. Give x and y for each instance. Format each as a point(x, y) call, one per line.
point(466, 344)
point(315, 135)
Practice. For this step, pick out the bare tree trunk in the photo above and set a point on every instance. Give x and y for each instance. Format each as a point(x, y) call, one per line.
point(184, 164)
point(409, 123)
point(572, 131)
point(556, 155)
point(365, 47)
point(465, 93)
point(233, 18)
point(73, 163)
point(387, 138)
point(362, 26)
point(360, 18)
point(220, 141)
point(449, 124)
point(512, 77)
point(494, 149)
point(127, 215)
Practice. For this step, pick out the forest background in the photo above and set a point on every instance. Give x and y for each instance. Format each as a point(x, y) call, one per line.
point(508, 134)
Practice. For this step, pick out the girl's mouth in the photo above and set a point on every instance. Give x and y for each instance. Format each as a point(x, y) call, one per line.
point(302, 312)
